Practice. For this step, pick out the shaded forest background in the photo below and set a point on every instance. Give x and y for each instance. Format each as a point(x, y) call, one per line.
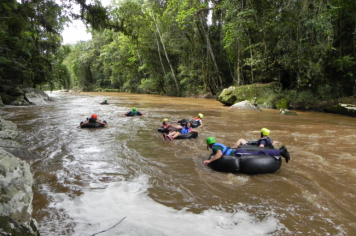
point(182, 47)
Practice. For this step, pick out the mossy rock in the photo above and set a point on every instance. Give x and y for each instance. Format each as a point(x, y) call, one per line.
point(282, 104)
point(10, 227)
point(343, 109)
point(262, 94)
point(7, 99)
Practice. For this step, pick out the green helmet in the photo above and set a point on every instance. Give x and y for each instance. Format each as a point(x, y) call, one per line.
point(134, 109)
point(210, 140)
point(106, 100)
point(200, 115)
point(165, 119)
point(265, 132)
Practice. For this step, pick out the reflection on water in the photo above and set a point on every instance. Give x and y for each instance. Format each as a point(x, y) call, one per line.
point(90, 179)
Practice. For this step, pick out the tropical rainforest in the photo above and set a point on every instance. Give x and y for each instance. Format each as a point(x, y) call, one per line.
point(181, 47)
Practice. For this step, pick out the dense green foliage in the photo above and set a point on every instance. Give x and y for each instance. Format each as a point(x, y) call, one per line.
point(29, 39)
point(187, 47)
point(175, 47)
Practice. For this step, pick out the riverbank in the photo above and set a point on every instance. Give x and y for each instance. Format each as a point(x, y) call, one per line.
point(273, 96)
point(16, 181)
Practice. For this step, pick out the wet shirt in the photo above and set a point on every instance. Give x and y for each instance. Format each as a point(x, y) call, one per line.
point(220, 147)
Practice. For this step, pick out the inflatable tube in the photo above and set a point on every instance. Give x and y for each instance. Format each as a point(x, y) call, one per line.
point(188, 135)
point(194, 123)
point(248, 147)
point(92, 125)
point(130, 114)
point(162, 130)
point(251, 165)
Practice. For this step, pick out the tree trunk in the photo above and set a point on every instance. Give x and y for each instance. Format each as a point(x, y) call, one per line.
point(160, 58)
point(201, 18)
point(165, 51)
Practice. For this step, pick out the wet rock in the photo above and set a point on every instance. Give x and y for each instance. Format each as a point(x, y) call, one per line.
point(1, 103)
point(16, 91)
point(23, 153)
point(287, 112)
point(8, 134)
point(260, 94)
point(246, 105)
point(16, 184)
point(10, 227)
point(34, 96)
point(24, 97)
point(343, 109)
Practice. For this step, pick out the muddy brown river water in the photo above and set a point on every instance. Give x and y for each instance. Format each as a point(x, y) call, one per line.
point(91, 179)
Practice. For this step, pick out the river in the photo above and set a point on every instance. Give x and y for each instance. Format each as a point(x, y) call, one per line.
point(129, 176)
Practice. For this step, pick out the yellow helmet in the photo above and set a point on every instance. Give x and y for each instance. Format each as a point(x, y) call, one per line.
point(200, 115)
point(164, 120)
point(265, 132)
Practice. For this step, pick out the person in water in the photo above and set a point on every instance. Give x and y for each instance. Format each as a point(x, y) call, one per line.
point(186, 129)
point(93, 119)
point(199, 119)
point(264, 141)
point(220, 150)
point(167, 125)
point(105, 102)
point(134, 112)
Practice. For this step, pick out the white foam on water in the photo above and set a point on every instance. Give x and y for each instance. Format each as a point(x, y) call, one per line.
point(100, 209)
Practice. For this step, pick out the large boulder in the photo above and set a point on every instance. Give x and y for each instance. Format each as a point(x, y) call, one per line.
point(16, 183)
point(245, 105)
point(343, 109)
point(34, 96)
point(8, 134)
point(261, 94)
point(21, 97)
point(10, 227)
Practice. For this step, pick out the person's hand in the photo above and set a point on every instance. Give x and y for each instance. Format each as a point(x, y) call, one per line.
point(275, 142)
point(206, 162)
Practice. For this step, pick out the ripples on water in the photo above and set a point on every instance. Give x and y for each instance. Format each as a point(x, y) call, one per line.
point(90, 179)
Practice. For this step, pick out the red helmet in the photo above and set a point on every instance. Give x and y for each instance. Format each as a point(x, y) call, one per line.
point(94, 116)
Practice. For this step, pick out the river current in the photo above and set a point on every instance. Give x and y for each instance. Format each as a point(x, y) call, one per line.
point(126, 175)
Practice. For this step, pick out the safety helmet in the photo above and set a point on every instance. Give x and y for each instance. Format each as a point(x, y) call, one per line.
point(106, 100)
point(210, 140)
point(200, 115)
point(265, 132)
point(94, 116)
point(134, 109)
point(165, 119)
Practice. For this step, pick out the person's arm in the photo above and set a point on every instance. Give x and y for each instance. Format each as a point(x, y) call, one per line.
point(217, 156)
point(275, 142)
point(177, 126)
point(193, 130)
point(263, 143)
point(102, 123)
point(84, 123)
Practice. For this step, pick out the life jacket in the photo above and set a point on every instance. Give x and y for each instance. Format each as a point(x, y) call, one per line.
point(92, 120)
point(225, 149)
point(133, 112)
point(198, 119)
point(268, 140)
point(166, 126)
point(185, 130)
